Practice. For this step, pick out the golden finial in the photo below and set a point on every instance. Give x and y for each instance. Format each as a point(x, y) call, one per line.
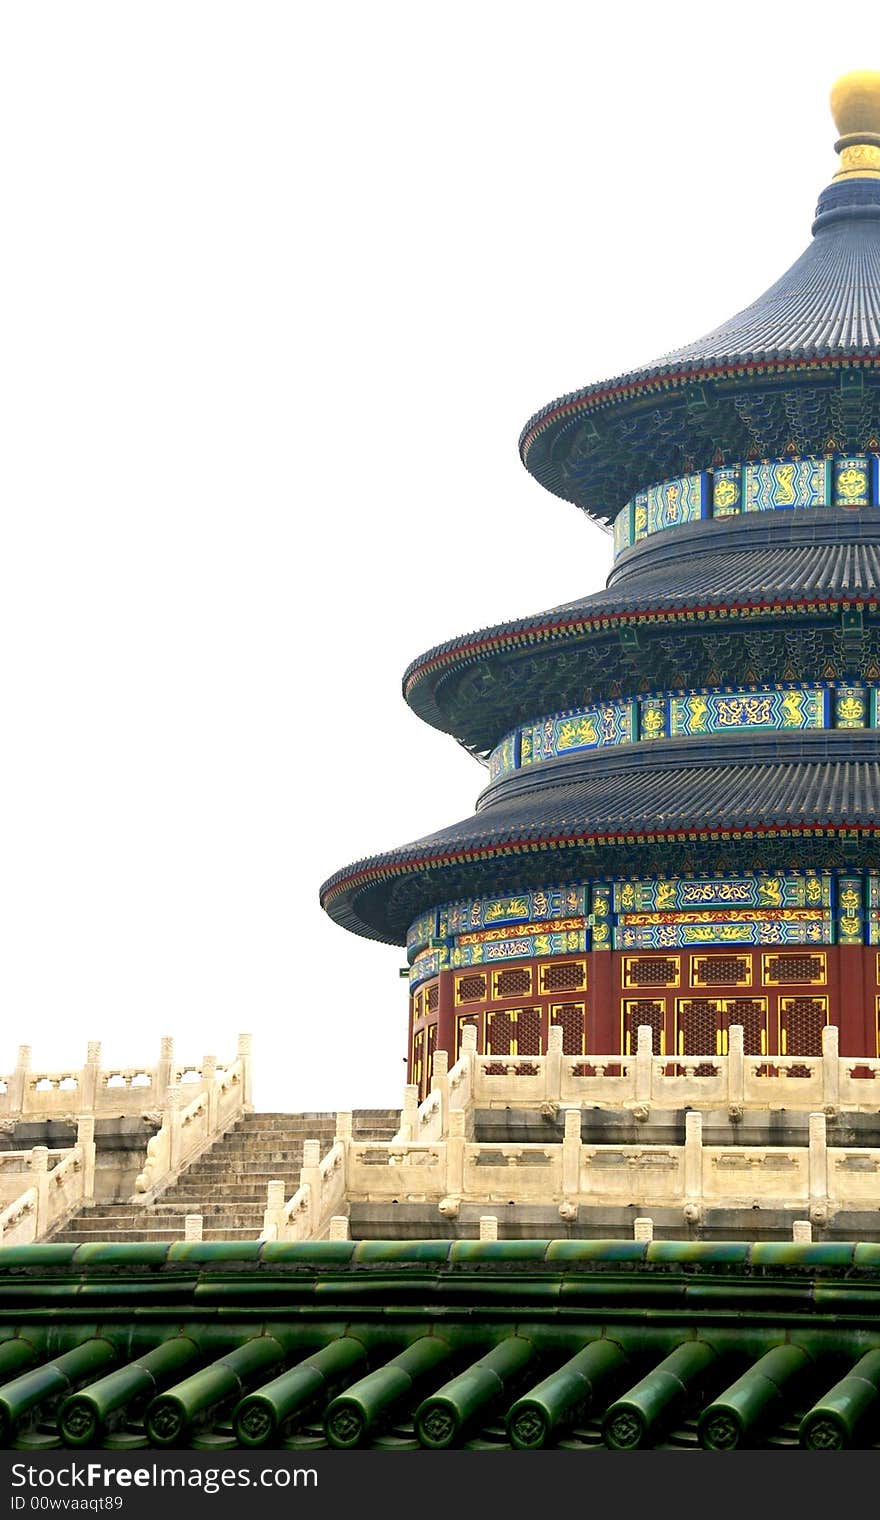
point(855, 106)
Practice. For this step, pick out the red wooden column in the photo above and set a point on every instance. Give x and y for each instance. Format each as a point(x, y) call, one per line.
point(603, 1032)
point(446, 1016)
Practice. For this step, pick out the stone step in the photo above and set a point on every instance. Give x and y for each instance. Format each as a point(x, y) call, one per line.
point(135, 1236)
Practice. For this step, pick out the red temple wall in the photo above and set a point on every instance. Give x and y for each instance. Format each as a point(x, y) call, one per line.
point(782, 998)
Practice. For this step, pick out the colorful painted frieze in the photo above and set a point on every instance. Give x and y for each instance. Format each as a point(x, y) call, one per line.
point(683, 893)
point(600, 916)
point(851, 708)
point(640, 516)
point(676, 501)
point(721, 712)
point(654, 718)
point(780, 483)
point(520, 947)
point(726, 490)
point(754, 932)
point(540, 905)
point(426, 966)
point(420, 934)
point(503, 758)
point(852, 481)
point(623, 529)
point(850, 911)
point(582, 728)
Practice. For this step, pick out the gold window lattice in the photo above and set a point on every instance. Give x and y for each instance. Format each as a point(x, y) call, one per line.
point(802, 1020)
point(563, 976)
point(787, 970)
point(636, 1011)
point(751, 1013)
point(432, 998)
point(462, 1022)
point(572, 1017)
point(471, 988)
point(651, 971)
point(513, 1032)
point(699, 1026)
point(721, 971)
point(513, 981)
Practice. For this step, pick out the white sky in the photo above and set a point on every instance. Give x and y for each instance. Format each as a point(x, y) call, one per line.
point(281, 285)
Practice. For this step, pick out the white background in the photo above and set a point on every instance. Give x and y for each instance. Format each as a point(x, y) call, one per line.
point(281, 283)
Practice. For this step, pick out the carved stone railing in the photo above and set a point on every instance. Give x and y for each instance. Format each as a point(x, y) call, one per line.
point(56, 1185)
point(570, 1174)
point(644, 1081)
point(320, 1196)
point(188, 1129)
point(30, 1093)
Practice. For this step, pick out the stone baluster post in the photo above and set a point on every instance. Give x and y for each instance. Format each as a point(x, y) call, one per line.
point(40, 1170)
point(643, 1229)
point(455, 1147)
point(343, 1137)
point(90, 1078)
point(164, 1071)
point(85, 1139)
point(209, 1077)
point(693, 1157)
point(735, 1066)
point(274, 1210)
point(644, 1063)
point(553, 1065)
point(440, 1086)
point(468, 1055)
point(818, 1162)
point(339, 1227)
point(488, 1227)
point(171, 1117)
point(18, 1087)
point(831, 1066)
point(802, 1231)
point(310, 1176)
point(409, 1123)
point(192, 1226)
point(571, 1153)
point(245, 1052)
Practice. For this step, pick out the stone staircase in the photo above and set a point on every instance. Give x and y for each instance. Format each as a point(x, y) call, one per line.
point(227, 1184)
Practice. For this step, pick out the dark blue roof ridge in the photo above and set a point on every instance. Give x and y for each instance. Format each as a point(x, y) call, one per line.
point(820, 554)
point(568, 821)
point(825, 308)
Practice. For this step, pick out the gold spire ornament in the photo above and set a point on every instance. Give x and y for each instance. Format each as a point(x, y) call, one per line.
point(855, 106)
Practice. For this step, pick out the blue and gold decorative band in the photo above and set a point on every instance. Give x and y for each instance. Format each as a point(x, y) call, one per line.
point(716, 710)
point(841, 480)
point(799, 908)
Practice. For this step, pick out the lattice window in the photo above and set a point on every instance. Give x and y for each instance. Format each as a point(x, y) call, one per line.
point(500, 1033)
point(462, 1021)
point(418, 1058)
point(721, 971)
point(432, 998)
point(651, 971)
point(471, 988)
point(571, 1017)
point(528, 1032)
point(751, 1013)
point(643, 1011)
point(791, 969)
point(430, 1047)
point(514, 981)
point(698, 1025)
point(563, 976)
point(417, 1005)
point(802, 1020)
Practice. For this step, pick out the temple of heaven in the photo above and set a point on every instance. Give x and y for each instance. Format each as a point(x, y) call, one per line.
point(680, 826)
